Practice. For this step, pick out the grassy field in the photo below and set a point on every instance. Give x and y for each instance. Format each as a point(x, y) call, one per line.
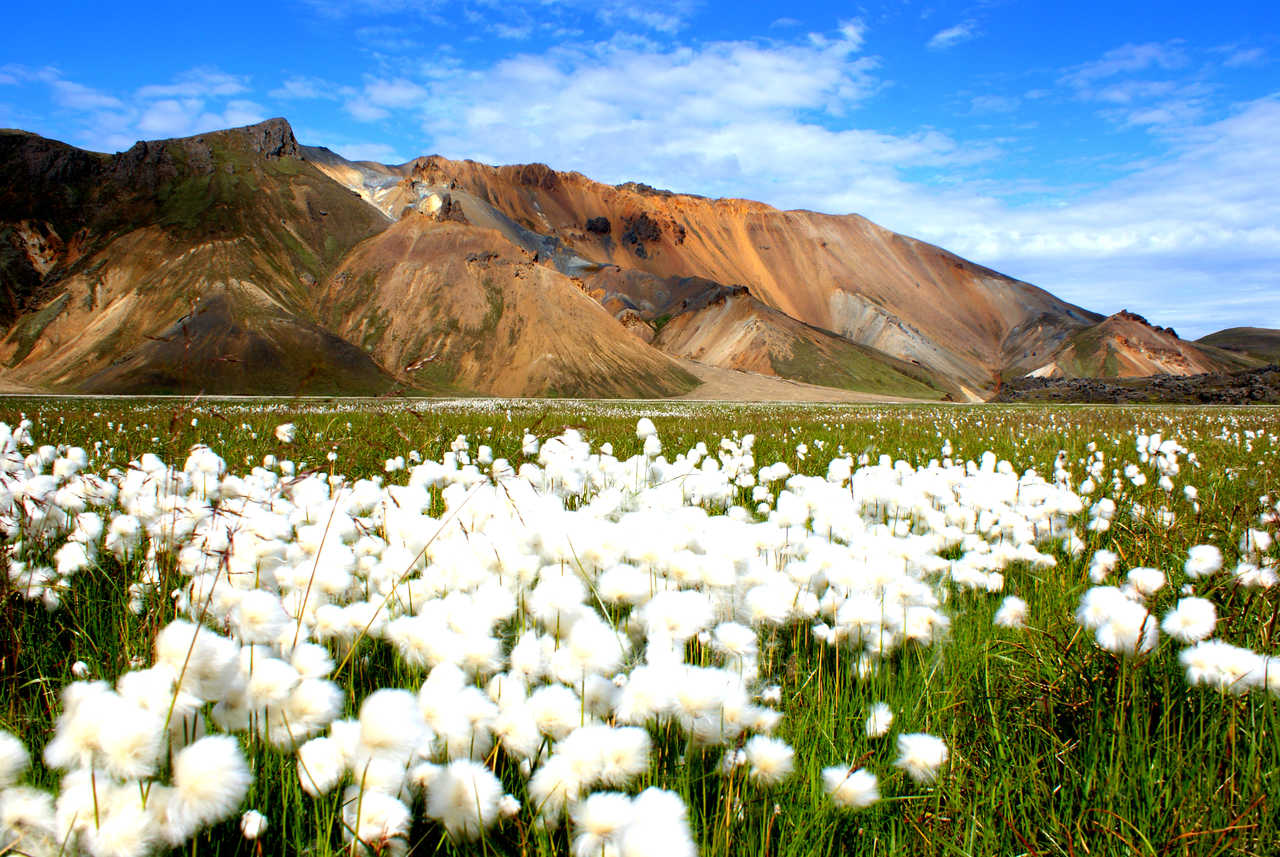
point(1062, 735)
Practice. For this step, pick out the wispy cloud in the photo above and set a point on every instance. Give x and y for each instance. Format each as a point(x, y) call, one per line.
point(1199, 221)
point(994, 104)
point(379, 97)
point(200, 99)
point(1122, 85)
point(304, 88)
point(1245, 58)
point(1126, 59)
point(952, 36)
point(197, 83)
point(514, 18)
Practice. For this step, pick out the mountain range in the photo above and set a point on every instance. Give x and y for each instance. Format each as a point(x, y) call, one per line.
point(240, 261)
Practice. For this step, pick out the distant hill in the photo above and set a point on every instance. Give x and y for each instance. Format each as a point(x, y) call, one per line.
point(1258, 342)
point(1126, 345)
point(1244, 387)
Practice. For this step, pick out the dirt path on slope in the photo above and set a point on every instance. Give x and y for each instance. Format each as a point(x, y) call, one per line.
point(736, 386)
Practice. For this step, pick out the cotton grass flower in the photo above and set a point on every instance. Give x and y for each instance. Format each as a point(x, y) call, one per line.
point(659, 827)
point(321, 765)
point(28, 822)
point(210, 779)
point(253, 824)
point(1148, 581)
point(879, 721)
point(1012, 613)
point(14, 759)
point(464, 797)
point(598, 823)
point(921, 755)
point(285, 432)
point(771, 760)
point(374, 823)
point(850, 789)
point(1191, 621)
point(1202, 561)
point(1225, 667)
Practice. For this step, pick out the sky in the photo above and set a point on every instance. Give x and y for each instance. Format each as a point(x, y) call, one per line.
point(1122, 155)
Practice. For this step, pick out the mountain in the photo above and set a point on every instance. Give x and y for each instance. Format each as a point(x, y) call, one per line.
point(841, 274)
point(177, 266)
point(242, 261)
point(1126, 345)
point(497, 321)
point(1260, 343)
point(207, 264)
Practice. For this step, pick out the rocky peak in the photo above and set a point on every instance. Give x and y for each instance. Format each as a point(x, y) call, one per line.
point(272, 138)
point(1125, 315)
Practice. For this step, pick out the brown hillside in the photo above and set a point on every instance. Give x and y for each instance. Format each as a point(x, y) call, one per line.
point(735, 331)
point(843, 274)
point(178, 266)
point(447, 303)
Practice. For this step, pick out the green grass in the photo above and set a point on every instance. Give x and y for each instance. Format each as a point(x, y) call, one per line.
point(850, 367)
point(27, 331)
point(1057, 747)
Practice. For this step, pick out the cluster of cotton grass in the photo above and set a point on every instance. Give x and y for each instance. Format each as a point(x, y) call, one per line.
point(1121, 616)
point(562, 612)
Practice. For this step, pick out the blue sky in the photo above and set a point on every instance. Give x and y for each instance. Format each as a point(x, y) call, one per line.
point(1121, 155)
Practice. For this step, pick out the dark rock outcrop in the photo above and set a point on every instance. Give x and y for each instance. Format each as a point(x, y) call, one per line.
point(1247, 387)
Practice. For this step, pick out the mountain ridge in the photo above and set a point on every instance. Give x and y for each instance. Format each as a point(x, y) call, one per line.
point(257, 252)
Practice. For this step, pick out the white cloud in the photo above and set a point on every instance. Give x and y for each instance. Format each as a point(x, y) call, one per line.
point(1173, 240)
point(709, 118)
point(197, 83)
point(394, 93)
point(514, 16)
point(379, 152)
point(193, 102)
point(379, 97)
point(1130, 100)
point(953, 36)
point(1126, 60)
point(364, 110)
point(174, 117)
point(80, 97)
point(303, 88)
point(752, 119)
point(1245, 58)
point(994, 104)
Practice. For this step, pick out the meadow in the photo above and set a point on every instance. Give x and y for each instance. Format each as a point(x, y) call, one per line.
point(548, 627)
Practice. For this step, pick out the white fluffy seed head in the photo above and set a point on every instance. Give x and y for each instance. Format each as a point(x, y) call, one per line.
point(850, 789)
point(253, 824)
point(210, 779)
point(1012, 613)
point(771, 759)
point(377, 821)
point(464, 797)
point(14, 759)
point(921, 756)
point(321, 764)
point(1203, 560)
point(879, 721)
point(1191, 621)
point(599, 822)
